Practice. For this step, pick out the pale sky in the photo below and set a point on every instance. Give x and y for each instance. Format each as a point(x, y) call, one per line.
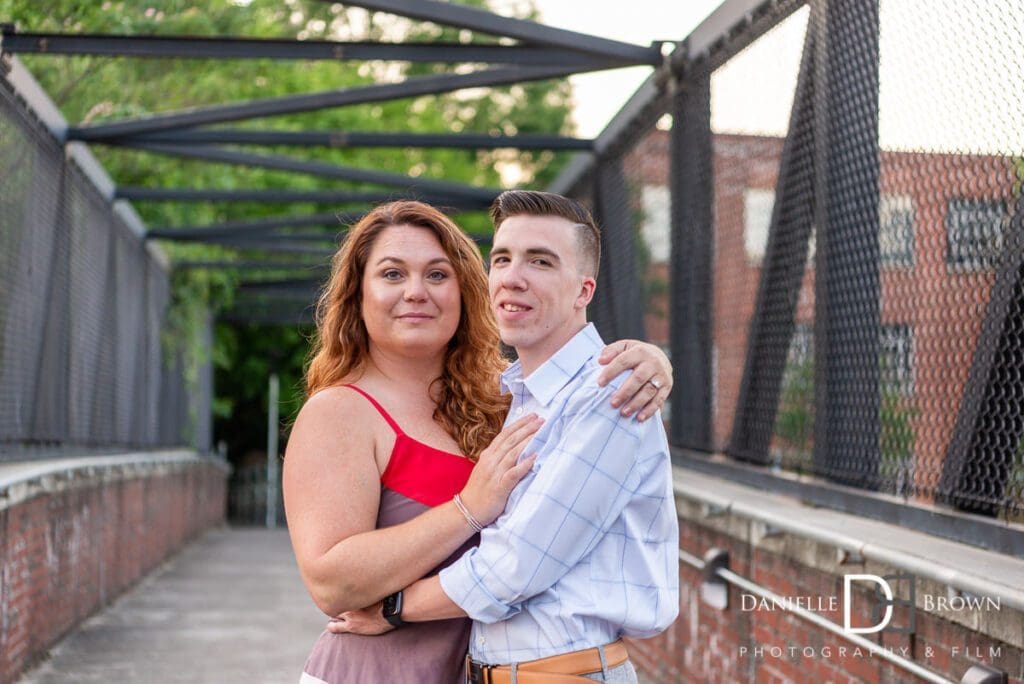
point(599, 96)
point(952, 73)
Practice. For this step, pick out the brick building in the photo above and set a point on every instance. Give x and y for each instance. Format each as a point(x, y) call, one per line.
point(942, 220)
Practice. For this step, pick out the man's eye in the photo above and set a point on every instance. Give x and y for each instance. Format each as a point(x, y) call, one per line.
point(498, 260)
point(542, 262)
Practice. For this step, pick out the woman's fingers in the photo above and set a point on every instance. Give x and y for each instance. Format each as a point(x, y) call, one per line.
point(517, 442)
point(517, 472)
point(510, 433)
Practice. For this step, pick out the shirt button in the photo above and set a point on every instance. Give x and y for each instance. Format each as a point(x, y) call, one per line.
point(519, 411)
point(481, 640)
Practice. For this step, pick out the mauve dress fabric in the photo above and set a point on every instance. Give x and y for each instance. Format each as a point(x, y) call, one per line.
point(417, 653)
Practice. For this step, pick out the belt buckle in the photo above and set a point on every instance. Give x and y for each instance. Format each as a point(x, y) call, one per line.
point(477, 673)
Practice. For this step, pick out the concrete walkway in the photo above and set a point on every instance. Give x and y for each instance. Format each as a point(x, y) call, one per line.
point(229, 608)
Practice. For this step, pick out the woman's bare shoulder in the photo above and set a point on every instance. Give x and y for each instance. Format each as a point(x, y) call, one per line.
point(335, 409)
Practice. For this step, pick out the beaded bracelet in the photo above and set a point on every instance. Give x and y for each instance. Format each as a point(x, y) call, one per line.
point(473, 522)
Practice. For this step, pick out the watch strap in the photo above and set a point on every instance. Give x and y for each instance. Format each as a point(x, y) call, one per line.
point(392, 609)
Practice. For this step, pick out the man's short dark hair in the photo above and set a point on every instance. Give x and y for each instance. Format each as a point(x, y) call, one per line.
point(535, 203)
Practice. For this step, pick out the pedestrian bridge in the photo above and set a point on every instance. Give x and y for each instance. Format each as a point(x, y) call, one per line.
point(814, 206)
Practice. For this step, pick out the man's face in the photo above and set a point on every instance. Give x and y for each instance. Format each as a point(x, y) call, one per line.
point(538, 294)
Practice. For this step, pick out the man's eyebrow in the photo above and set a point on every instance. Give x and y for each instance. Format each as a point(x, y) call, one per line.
point(542, 251)
point(499, 250)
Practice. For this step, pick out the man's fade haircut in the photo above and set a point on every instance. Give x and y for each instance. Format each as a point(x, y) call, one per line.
point(535, 203)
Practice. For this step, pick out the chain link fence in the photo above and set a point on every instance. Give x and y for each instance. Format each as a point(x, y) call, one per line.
point(82, 309)
point(825, 227)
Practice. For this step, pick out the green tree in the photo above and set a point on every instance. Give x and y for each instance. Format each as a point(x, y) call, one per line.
point(97, 89)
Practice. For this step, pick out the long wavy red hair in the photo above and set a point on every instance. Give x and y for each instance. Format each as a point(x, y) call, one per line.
point(469, 405)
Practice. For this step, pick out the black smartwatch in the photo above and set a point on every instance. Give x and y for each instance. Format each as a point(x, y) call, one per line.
point(392, 609)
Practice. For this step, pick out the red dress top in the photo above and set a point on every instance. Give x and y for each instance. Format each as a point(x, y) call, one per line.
point(419, 471)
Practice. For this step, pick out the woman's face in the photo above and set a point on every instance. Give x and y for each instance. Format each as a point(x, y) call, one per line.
point(411, 297)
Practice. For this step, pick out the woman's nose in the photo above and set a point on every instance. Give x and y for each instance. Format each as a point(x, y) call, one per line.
point(415, 290)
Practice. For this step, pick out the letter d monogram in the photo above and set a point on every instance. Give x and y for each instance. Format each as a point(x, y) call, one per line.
point(848, 602)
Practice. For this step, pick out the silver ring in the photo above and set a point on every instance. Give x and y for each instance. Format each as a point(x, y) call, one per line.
point(655, 383)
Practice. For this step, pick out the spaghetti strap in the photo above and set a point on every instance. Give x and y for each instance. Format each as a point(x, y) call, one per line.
point(380, 409)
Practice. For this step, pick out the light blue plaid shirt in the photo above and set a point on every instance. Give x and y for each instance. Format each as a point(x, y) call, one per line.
point(588, 547)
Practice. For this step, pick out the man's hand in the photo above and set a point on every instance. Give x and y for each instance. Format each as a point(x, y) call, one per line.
point(650, 383)
point(367, 621)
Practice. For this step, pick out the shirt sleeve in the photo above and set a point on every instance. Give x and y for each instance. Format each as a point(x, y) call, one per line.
point(584, 479)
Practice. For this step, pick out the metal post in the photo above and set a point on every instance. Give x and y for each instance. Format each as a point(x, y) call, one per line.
point(691, 253)
point(847, 297)
point(272, 460)
point(989, 425)
point(617, 308)
point(772, 325)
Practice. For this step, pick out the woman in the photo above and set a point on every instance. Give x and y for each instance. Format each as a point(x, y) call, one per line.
point(379, 478)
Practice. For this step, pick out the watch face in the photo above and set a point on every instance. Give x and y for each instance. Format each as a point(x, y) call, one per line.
point(392, 608)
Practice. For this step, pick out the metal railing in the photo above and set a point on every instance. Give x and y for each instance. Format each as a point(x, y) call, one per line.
point(714, 567)
point(840, 287)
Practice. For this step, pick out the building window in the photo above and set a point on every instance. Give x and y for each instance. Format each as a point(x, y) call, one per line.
point(974, 233)
point(801, 345)
point(757, 219)
point(654, 229)
point(897, 352)
point(896, 230)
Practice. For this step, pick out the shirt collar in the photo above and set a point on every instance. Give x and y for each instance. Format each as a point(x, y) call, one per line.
point(561, 367)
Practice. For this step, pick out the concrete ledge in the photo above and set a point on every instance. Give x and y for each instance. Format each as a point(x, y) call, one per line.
point(22, 480)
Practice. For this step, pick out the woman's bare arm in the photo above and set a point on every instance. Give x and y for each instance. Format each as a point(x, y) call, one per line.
point(332, 497)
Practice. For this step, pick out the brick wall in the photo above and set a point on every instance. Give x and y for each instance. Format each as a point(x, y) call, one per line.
point(78, 539)
point(710, 645)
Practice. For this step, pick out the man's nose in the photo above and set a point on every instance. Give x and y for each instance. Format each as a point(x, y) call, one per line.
point(512, 278)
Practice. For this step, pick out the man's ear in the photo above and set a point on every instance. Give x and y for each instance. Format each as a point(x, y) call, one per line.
point(586, 293)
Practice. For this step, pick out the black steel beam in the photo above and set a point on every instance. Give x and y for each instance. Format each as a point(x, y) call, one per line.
point(268, 244)
point(735, 25)
point(193, 47)
point(782, 270)
point(989, 426)
point(271, 196)
point(340, 139)
point(350, 173)
point(249, 265)
point(293, 104)
point(286, 284)
point(847, 317)
point(461, 16)
point(333, 219)
point(691, 260)
point(281, 315)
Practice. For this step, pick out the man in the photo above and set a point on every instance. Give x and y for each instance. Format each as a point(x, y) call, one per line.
point(587, 549)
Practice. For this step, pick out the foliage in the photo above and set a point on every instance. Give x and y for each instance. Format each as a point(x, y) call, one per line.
point(794, 423)
point(96, 89)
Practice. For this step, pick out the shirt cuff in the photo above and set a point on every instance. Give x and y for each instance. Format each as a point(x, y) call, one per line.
point(468, 592)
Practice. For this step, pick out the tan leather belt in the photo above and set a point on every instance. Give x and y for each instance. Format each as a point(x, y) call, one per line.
point(558, 669)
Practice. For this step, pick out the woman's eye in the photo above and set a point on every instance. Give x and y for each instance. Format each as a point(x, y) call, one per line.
point(437, 275)
point(392, 274)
